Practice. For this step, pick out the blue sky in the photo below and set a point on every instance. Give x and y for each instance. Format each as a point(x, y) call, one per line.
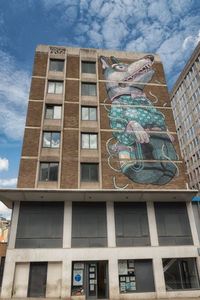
point(170, 28)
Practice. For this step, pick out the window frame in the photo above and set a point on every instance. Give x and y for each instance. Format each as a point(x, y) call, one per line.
point(52, 106)
point(89, 134)
point(51, 139)
point(89, 113)
point(56, 60)
point(49, 177)
point(89, 179)
point(85, 67)
point(85, 89)
point(55, 87)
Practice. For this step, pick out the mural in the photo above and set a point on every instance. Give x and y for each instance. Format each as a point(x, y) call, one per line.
point(141, 141)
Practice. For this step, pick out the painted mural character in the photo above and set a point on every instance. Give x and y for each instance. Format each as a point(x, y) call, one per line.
point(143, 146)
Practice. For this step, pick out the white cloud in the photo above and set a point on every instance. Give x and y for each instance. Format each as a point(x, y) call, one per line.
point(169, 27)
point(4, 211)
point(8, 183)
point(14, 87)
point(4, 164)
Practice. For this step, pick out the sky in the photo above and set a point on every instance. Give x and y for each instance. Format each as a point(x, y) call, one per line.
point(170, 28)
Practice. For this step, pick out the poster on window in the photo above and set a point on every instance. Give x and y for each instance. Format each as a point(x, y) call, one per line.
point(77, 277)
point(122, 267)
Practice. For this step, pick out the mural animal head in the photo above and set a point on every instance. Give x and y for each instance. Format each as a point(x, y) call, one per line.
point(126, 78)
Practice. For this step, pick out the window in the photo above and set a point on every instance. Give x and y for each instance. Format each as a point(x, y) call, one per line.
point(53, 111)
point(55, 87)
point(136, 276)
point(88, 89)
point(89, 224)
point(180, 274)
point(88, 67)
point(56, 65)
point(173, 224)
point(89, 141)
point(131, 224)
point(35, 228)
point(89, 172)
point(51, 139)
point(48, 171)
point(88, 113)
point(37, 279)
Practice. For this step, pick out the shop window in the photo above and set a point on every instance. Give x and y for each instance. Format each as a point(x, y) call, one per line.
point(88, 89)
point(180, 274)
point(173, 224)
point(89, 172)
point(88, 67)
point(78, 278)
point(55, 87)
point(37, 279)
point(35, 228)
point(88, 113)
point(89, 225)
point(88, 140)
point(48, 171)
point(135, 276)
point(131, 224)
point(56, 65)
point(51, 139)
point(53, 111)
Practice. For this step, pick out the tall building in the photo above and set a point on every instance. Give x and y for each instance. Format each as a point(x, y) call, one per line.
point(102, 209)
point(185, 99)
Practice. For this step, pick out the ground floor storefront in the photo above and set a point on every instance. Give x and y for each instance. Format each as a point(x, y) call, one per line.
point(126, 273)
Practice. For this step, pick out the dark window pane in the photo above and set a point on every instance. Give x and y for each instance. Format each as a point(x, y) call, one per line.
point(88, 67)
point(35, 228)
point(44, 171)
point(48, 172)
point(94, 172)
point(89, 172)
point(56, 65)
point(88, 89)
point(173, 224)
point(131, 224)
point(89, 224)
point(53, 172)
point(37, 279)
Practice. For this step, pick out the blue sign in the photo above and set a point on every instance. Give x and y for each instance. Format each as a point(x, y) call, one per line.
point(78, 277)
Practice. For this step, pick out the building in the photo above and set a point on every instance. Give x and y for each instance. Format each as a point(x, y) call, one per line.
point(185, 99)
point(102, 209)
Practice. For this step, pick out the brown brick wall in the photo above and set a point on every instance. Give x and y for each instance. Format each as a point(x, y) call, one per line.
point(34, 114)
point(37, 89)
point(27, 173)
point(31, 142)
point(72, 90)
point(69, 175)
point(40, 64)
point(71, 115)
point(72, 66)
